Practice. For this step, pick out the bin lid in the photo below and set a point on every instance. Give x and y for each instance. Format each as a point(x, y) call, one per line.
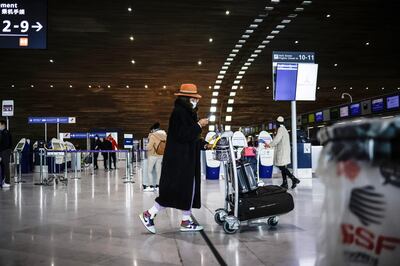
point(375, 140)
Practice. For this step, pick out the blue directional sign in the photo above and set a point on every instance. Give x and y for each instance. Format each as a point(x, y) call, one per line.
point(84, 135)
point(293, 57)
point(51, 120)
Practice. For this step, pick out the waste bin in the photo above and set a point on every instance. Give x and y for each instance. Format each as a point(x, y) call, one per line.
point(360, 168)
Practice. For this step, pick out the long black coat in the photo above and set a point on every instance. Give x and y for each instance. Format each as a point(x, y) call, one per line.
point(181, 162)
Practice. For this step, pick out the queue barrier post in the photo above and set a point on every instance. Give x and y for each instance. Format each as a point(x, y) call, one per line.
point(127, 171)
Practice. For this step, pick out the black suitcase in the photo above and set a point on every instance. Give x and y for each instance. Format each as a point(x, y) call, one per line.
point(263, 202)
point(246, 179)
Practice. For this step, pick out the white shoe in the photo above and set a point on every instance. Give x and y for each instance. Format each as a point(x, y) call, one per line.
point(148, 189)
point(6, 185)
point(190, 226)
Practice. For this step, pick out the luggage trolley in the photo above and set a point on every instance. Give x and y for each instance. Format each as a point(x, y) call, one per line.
point(244, 203)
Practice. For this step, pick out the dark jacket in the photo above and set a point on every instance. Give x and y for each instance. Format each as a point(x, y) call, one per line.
point(181, 162)
point(5, 140)
point(106, 145)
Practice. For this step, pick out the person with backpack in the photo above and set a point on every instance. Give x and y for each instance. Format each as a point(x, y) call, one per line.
point(155, 152)
point(180, 184)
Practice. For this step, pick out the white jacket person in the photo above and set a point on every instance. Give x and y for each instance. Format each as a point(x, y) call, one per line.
point(281, 145)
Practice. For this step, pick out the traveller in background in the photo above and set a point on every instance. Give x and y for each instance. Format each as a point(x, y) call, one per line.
point(105, 146)
point(96, 146)
point(5, 154)
point(155, 152)
point(281, 144)
point(180, 172)
point(113, 155)
point(250, 156)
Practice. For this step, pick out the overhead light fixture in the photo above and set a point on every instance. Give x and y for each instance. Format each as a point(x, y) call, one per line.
point(299, 9)
point(199, 62)
point(334, 88)
point(270, 37)
point(234, 87)
point(227, 12)
point(286, 21)
point(222, 72)
point(212, 118)
point(236, 82)
point(227, 63)
point(269, 8)
point(70, 86)
point(127, 86)
point(12, 86)
point(265, 42)
point(241, 87)
point(275, 1)
point(253, 55)
point(51, 86)
point(250, 60)
point(218, 81)
point(210, 87)
point(217, 87)
point(51, 61)
point(131, 38)
point(133, 61)
point(239, 77)
point(280, 27)
point(296, 42)
point(164, 87)
point(261, 46)
point(335, 65)
point(383, 88)
point(233, 94)
point(229, 109)
point(306, 2)
point(249, 31)
point(257, 51)
point(210, 40)
point(238, 46)
point(242, 41)
point(366, 88)
point(244, 68)
point(258, 20)
point(245, 36)
point(317, 88)
point(108, 86)
point(145, 86)
point(398, 88)
point(90, 86)
point(242, 72)
point(253, 26)
point(247, 64)
point(129, 9)
point(211, 128)
point(328, 15)
point(220, 76)
point(367, 43)
point(351, 88)
point(267, 87)
point(230, 59)
point(215, 93)
point(227, 128)
point(235, 51)
point(214, 101)
point(228, 118)
point(275, 32)
point(224, 67)
point(213, 109)
point(32, 86)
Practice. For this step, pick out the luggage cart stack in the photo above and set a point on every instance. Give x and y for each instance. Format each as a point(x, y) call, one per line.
point(244, 200)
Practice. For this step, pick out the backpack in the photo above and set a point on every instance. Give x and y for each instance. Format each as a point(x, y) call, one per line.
point(161, 147)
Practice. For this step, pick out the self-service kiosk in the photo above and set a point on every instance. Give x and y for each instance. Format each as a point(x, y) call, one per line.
point(265, 156)
point(22, 156)
point(74, 159)
point(212, 166)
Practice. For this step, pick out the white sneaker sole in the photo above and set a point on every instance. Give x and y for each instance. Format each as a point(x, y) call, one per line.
point(191, 230)
point(151, 230)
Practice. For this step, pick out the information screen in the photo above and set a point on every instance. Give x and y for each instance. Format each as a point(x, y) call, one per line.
point(304, 119)
point(344, 111)
point(335, 113)
point(392, 102)
point(23, 24)
point(377, 105)
point(355, 109)
point(319, 117)
point(286, 79)
point(311, 118)
point(327, 115)
point(270, 127)
point(366, 107)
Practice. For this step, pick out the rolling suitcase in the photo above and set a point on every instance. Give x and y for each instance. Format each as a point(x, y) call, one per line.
point(263, 202)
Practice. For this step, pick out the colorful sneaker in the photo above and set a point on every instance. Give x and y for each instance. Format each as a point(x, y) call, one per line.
point(148, 189)
point(5, 185)
point(190, 226)
point(145, 217)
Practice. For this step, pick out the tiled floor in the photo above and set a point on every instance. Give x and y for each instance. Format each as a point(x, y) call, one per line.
point(94, 221)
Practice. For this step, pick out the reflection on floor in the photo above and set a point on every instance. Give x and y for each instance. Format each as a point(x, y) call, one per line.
point(94, 221)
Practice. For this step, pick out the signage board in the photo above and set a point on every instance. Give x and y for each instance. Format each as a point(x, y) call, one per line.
point(23, 24)
point(392, 102)
point(128, 141)
point(7, 108)
point(51, 120)
point(84, 135)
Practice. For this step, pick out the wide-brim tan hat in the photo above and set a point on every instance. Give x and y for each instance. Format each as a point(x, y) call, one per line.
point(189, 90)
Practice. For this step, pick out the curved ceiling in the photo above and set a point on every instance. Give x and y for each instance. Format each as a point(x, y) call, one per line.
point(93, 78)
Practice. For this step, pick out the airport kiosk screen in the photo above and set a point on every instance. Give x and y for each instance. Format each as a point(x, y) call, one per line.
point(355, 109)
point(319, 117)
point(366, 107)
point(327, 115)
point(304, 119)
point(270, 127)
point(334, 113)
point(311, 118)
point(20, 146)
point(392, 102)
point(344, 111)
point(377, 105)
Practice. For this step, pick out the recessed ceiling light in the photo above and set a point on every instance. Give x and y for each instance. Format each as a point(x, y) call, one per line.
point(146, 86)
point(367, 43)
point(127, 86)
point(334, 88)
point(280, 26)
point(292, 15)
point(270, 37)
point(258, 20)
point(90, 86)
point(245, 36)
point(227, 12)
point(70, 86)
point(108, 86)
point(269, 8)
point(51, 86)
point(335, 65)
point(275, 1)
point(129, 9)
point(351, 88)
point(249, 31)
point(306, 2)
point(241, 87)
point(299, 9)
point(199, 62)
point(234, 87)
point(217, 87)
point(296, 42)
point(218, 81)
point(222, 72)
point(133, 61)
point(235, 50)
point(328, 15)
point(253, 26)
point(267, 87)
point(398, 88)
point(232, 94)
point(215, 93)
point(286, 21)
point(242, 41)
point(220, 76)
point(366, 88)
point(229, 59)
point(210, 87)
point(275, 32)
point(131, 38)
point(12, 86)
point(51, 61)
point(210, 40)
point(317, 88)
point(32, 86)
point(238, 46)
point(229, 109)
point(383, 88)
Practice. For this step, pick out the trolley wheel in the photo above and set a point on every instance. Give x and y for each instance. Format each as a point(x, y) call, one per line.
point(219, 216)
point(273, 221)
point(228, 229)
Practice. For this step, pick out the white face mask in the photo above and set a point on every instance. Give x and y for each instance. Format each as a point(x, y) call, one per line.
point(193, 102)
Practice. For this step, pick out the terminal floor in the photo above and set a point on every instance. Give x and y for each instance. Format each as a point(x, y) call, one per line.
point(94, 221)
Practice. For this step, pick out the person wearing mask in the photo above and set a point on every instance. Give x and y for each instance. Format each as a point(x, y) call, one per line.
point(281, 145)
point(5, 154)
point(113, 155)
point(180, 172)
point(155, 152)
point(105, 145)
point(96, 146)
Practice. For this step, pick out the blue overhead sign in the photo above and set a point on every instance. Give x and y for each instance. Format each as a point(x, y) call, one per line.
point(84, 135)
point(293, 57)
point(51, 120)
point(23, 24)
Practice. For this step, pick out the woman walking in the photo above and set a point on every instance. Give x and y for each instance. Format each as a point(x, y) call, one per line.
point(180, 173)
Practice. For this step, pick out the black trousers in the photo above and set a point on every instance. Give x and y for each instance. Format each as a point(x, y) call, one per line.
point(95, 157)
point(113, 158)
point(5, 165)
point(105, 159)
point(285, 173)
